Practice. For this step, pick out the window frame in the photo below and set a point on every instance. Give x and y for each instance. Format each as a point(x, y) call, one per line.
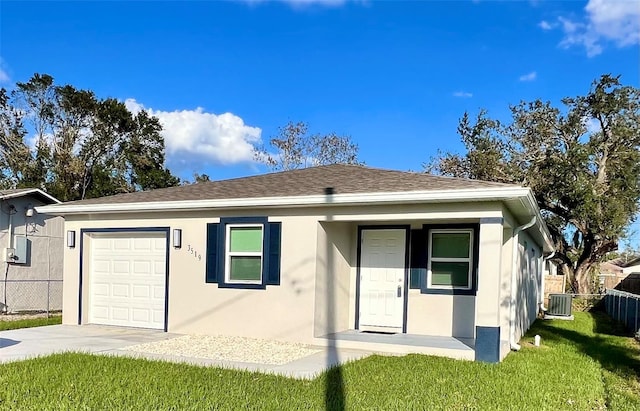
point(469, 260)
point(228, 254)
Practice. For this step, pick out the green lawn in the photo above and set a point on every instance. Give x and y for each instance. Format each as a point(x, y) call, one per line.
point(28, 323)
point(582, 365)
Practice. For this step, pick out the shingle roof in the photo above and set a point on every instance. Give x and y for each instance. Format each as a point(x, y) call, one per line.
point(20, 192)
point(344, 179)
point(624, 262)
point(13, 191)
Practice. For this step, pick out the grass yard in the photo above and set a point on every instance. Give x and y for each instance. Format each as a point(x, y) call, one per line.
point(583, 365)
point(29, 322)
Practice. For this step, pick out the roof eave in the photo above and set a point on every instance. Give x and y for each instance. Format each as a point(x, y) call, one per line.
point(36, 191)
point(484, 194)
point(532, 205)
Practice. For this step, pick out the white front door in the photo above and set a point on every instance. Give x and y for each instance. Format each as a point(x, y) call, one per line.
point(382, 276)
point(127, 279)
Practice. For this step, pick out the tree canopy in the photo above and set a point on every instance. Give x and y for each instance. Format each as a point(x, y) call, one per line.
point(75, 145)
point(296, 148)
point(582, 162)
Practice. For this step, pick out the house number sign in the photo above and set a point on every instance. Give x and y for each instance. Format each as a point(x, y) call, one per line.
point(194, 253)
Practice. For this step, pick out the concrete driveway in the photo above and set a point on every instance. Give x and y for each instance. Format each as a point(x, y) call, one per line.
point(25, 343)
point(21, 344)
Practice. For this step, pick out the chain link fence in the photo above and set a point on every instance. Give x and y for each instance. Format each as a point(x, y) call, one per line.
point(30, 295)
point(624, 307)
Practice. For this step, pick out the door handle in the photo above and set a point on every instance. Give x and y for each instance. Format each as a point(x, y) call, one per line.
point(399, 291)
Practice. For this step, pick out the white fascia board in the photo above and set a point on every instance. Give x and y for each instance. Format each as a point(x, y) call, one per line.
point(484, 194)
point(29, 192)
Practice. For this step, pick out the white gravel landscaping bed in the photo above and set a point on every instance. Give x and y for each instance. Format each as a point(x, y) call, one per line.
point(223, 348)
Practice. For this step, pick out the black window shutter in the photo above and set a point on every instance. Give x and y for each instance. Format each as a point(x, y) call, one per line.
point(275, 235)
point(418, 266)
point(212, 252)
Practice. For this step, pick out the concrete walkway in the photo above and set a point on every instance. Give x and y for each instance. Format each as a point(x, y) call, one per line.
point(21, 344)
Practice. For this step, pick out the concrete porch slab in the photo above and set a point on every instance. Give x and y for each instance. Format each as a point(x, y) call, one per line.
point(458, 348)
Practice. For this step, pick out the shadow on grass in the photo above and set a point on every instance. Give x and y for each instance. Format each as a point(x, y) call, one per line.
point(604, 324)
point(334, 389)
point(613, 355)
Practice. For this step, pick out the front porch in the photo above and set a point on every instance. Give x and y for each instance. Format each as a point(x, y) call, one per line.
point(452, 347)
point(372, 277)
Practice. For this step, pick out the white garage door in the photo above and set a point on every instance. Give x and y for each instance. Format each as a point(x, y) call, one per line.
point(127, 279)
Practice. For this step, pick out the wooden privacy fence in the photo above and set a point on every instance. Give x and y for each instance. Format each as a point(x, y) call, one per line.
point(624, 307)
point(630, 284)
point(553, 284)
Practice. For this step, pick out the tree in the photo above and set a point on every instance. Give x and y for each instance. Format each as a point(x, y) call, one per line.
point(83, 146)
point(582, 163)
point(296, 148)
point(201, 178)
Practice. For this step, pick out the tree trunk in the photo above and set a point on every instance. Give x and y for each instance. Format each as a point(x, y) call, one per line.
point(581, 279)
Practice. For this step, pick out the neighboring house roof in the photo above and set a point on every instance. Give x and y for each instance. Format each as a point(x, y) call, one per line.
point(622, 262)
point(22, 192)
point(348, 184)
point(609, 267)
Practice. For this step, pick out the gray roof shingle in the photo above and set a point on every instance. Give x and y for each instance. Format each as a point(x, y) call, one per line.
point(13, 191)
point(344, 179)
point(20, 192)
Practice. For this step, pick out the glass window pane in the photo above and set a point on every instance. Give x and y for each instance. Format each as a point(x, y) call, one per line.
point(245, 268)
point(246, 239)
point(450, 245)
point(450, 274)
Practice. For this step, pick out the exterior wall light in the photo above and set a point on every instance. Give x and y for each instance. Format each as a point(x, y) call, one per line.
point(177, 238)
point(71, 239)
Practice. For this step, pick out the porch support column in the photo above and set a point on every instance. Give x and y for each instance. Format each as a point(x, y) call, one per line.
point(487, 346)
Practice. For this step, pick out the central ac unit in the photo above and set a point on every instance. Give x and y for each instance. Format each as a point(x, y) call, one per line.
point(560, 304)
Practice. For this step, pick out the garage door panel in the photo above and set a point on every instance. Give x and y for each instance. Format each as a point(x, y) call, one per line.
point(159, 268)
point(159, 245)
point(142, 268)
point(141, 315)
point(119, 243)
point(120, 290)
point(158, 316)
point(127, 284)
point(158, 292)
point(142, 244)
point(120, 267)
point(101, 290)
point(142, 291)
point(100, 311)
point(101, 266)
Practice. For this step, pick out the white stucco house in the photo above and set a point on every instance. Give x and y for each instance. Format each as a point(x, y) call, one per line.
point(346, 255)
point(31, 249)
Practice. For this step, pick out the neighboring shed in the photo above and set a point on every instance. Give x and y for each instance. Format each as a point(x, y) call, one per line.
point(32, 251)
point(344, 255)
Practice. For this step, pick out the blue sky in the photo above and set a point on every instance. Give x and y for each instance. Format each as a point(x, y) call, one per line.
point(395, 76)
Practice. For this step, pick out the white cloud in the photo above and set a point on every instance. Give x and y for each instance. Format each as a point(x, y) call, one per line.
point(615, 21)
point(462, 94)
point(4, 76)
point(545, 25)
point(195, 136)
point(303, 3)
point(529, 76)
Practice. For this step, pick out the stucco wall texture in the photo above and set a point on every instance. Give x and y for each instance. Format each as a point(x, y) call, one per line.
point(318, 273)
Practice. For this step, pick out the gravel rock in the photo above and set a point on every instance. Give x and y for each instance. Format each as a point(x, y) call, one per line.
point(225, 348)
